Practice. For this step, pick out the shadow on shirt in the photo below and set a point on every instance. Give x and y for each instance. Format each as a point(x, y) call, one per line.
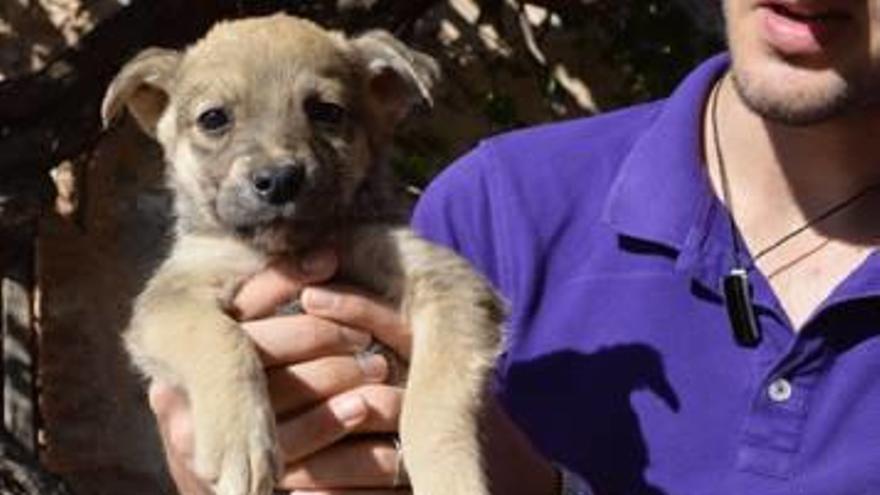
point(576, 408)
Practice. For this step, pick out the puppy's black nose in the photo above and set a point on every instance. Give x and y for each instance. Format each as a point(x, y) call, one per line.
point(278, 184)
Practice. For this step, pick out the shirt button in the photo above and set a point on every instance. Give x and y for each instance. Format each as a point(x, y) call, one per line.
point(779, 390)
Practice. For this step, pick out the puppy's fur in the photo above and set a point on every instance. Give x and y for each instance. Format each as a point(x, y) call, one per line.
point(281, 94)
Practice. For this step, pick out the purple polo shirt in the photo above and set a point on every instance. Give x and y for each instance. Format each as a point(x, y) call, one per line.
point(607, 240)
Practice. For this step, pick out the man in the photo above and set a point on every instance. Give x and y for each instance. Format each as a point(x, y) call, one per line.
point(610, 237)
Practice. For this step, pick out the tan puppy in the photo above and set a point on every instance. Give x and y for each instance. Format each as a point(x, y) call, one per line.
point(275, 132)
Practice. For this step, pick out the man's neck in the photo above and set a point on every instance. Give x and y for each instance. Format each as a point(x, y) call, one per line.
point(793, 172)
point(780, 179)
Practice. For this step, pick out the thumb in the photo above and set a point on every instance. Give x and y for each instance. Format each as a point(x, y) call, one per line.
point(280, 282)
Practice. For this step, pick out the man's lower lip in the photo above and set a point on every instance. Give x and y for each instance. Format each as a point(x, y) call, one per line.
point(798, 36)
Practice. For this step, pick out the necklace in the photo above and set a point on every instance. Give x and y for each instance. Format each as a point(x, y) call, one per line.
point(736, 287)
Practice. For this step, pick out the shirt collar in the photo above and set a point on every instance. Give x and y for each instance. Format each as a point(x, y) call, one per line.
point(662, 188)
point(662, 194)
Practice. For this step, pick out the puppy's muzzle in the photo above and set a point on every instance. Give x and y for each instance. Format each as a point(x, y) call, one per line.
point(279, 184)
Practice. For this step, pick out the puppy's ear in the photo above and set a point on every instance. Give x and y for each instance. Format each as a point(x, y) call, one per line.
point(142, 86)
point(399, 77)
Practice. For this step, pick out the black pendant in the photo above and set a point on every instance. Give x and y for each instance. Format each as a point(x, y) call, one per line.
point(738, 299)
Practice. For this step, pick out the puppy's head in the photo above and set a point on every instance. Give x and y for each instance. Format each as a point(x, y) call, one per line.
point(273, 127)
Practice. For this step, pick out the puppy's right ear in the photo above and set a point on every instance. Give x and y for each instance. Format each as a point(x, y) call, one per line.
point(142, 86)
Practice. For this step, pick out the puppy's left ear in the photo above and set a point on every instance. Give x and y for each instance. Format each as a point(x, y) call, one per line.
point(399, 77)
point(142, 86)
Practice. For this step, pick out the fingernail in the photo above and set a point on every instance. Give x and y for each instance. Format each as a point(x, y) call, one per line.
point(315, 298)
point(374, 366)
point(318, 264)
point(357, 340)
point(350, 410)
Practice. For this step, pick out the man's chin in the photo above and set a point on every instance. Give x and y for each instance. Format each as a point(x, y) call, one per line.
point(791, 97)
point(796, 115)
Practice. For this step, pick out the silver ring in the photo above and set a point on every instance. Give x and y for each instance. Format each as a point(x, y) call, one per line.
point(399, 473)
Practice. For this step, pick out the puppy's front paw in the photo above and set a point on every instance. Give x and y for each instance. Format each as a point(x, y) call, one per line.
point(235, 445)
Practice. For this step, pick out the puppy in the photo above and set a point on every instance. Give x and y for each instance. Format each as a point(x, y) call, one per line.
point(275, 132)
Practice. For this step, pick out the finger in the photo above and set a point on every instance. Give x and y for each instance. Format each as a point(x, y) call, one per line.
point(171, 407)
point(297, 387)
point(185, 479)
point(370, 408)
point(390, 491)
point(321, 426)
point(356, 463)
point(292, 339)
point(165, 399)
point(353, 308)
point(279, 283)
point(384, 404)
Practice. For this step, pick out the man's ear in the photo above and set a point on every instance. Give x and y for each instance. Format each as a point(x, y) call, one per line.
point(399, 77)
point(142, 86)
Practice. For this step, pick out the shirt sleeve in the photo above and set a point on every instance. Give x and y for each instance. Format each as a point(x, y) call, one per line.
point(465, 209)
point(457, 211)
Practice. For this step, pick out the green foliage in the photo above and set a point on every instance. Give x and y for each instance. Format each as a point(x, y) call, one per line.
point(653, 43)
point(623, 51)
point(416, 169)
point(500, 110)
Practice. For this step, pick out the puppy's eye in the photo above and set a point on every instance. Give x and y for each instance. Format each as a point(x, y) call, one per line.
point(324, 112)
point(214, 120)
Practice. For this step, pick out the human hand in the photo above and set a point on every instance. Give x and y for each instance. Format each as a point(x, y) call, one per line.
point(321, 392)
point(513, 465)
point(325, 397)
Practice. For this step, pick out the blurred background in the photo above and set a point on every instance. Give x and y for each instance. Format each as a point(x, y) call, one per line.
point(84, 214)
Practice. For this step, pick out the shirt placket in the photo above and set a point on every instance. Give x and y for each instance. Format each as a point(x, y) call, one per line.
point(773, 428)
point(786, 366)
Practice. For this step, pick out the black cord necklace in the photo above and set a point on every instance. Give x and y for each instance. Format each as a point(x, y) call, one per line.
point(736, 286)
